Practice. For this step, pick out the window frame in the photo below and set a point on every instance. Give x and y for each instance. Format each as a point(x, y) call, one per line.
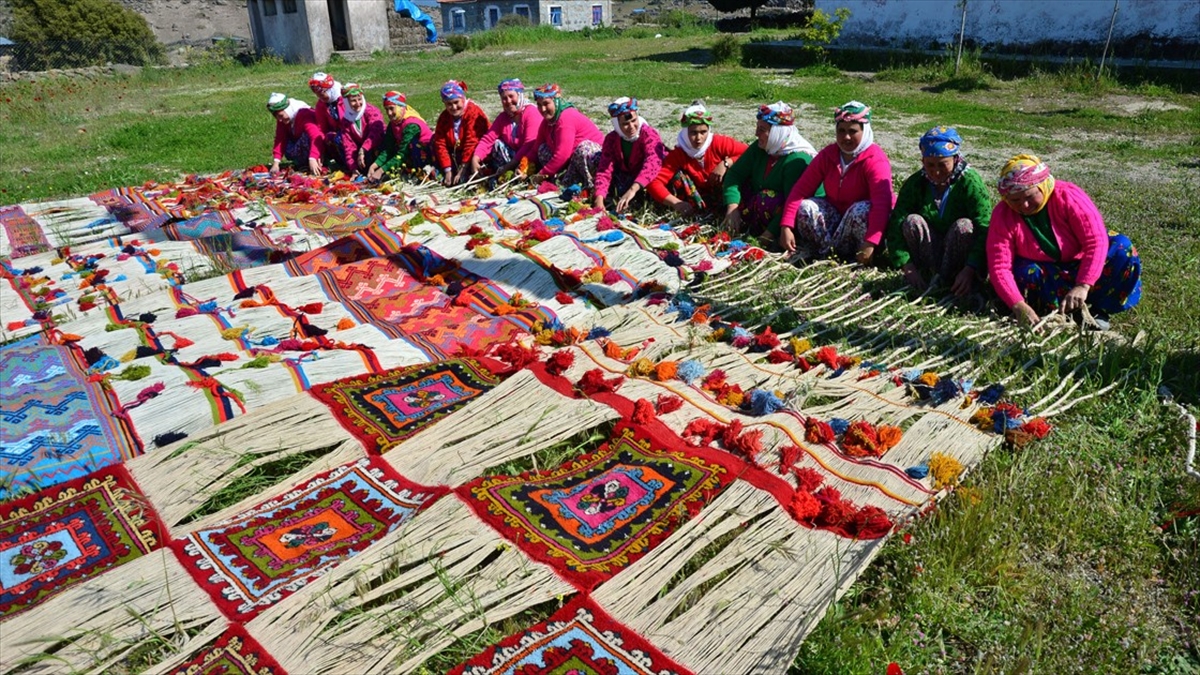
point(528, 11)
point(456, 16)
point(274, 9)
point(487, 16)
point(289, 7)
point(560, 15)
point(597, 16)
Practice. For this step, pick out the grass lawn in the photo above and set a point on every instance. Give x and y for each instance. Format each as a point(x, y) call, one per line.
point(1067, 556)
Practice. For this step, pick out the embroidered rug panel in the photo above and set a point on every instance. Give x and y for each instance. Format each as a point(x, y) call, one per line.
point(384, 409)
point(579, 639)
point(371, 242)
point(59, 537)
point(24, 234)
point(54, 424)
point(265, 554)
point(234, 652)
point(326, 219)
point(595, 515)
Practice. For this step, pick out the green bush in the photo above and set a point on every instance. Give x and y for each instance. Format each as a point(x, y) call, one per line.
point(726, 51)
point(76, 33)
point(822, 29)
point(458, 42)
point(513, 21)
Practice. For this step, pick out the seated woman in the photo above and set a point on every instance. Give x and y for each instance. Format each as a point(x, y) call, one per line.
point(857, 178)
point(630, 158)
point(756, 184)
point(514, 128)
point(1048, 249)
point(567, 149)
point(458, 130)
point(691, 174)
point(405, 141)
point(298, 137)
point(331, 109)
point(362, 131)
point(939, 224)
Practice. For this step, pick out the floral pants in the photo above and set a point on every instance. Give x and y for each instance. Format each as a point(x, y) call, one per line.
point(580, 169)
point(943, 252)
point(1119, 287)
point(820, 227)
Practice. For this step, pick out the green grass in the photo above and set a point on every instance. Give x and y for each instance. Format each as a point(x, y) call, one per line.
point(1054, 561)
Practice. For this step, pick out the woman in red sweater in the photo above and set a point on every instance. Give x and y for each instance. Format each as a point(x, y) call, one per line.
point(691, 174)
point(458, 130)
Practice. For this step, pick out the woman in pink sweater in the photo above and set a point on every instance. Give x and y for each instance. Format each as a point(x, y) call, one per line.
point(515, 128)
point(298, 137)
point(857, 177)
point(1047, 247)
point(630, 158)
point(331, 108)
point(362, 131)
point(568, 144)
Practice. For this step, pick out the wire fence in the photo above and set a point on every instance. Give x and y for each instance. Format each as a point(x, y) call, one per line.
point(80, 53)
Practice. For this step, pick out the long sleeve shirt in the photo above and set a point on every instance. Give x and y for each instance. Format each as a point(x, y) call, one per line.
point(515, 133)
point(754, 172)
point(329, 117)
point(699, 170)
point(305, 122)
point(1078, 229)
point(868, 177)
point(562, 137)
point(967, 197)
point(367, 135)
point(454, 147)
point(397, 139)
point(643, 161)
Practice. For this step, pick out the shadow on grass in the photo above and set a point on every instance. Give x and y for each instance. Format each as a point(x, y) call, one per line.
point(695, 56)
point(959, 84)
point(1181, 374)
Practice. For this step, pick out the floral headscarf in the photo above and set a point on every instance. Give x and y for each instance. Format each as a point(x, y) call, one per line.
point(941, 141)
point(552, 90)
point(399, 99)
point(693, 115)
point(784, 138)
point(860, 113)
point(277, 102)
point(515, 85)
point(454, 89)
point(1023, 172)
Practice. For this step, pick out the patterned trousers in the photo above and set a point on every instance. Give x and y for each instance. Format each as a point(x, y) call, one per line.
point(1119, 287)
point(944, 253)
point(820, 227)
point(580, 169)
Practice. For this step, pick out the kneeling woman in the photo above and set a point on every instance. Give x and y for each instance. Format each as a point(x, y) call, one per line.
point(857, 178)
point(939, 224)
point(458, 130)
point(362, 131)
point(630, 158)
point(691, 174)
point(1048, 249)
point(406, 141)
point(516, 127)
point(756, 184)
point(567, 149)
point(298, 136)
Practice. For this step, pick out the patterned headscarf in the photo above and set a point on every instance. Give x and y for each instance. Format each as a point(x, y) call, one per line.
point(1023, 172)
point(321, 81)
point(941, 141)
point(454, 89)
point(355, 116)
point(514, 84)
point(777, 114)
point(622, 105)
point(859, 113)
point(277, 102)
point(395, 98)
point(695, 113)
point(548, 90)
point(352, 89)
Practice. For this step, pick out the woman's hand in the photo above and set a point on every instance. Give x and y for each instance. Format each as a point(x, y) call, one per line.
point(964, 282)
point(275, 166)
point(718, 172)
point(627, 198)
point(683, 208)
point(865, 254)
point(912, 277)
point(598, 201)
point(787, 240)
point(1024, 313)
point(375, 173)
point(1075, 299)
point(733, 219)
point(360, 159)
point(538, 178)
point(314, 166)
point(449, 178)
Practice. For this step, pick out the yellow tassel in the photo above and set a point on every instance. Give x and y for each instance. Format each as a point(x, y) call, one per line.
point(641, 368)
point(928, 379)
point(945, 470)
point(799, 346)
point(129, 356)
point(483, 252)
point(733, 399)
point(234, 333)
point(544, 337)
point(593, 277)
point(345, 323)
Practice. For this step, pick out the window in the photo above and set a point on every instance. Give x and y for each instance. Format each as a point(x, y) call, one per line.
point(269, 8)
point(521, 10)
point(458, 21)
point(555, 15)
point(289, 6)
point(597, 15)
point(491, 16)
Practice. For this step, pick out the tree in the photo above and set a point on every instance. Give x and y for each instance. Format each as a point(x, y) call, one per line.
point(73, 33)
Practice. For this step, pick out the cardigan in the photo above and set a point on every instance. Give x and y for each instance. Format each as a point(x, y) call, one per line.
point(750, 175)
point(967, 197)
point(449, 151)
point(562, 137)
point(644, 160)
point(1078, 227)
point(516, 134)
point(868, 177)
point(400, 135)
point(305, 122)
point(699, 170)
point(369, 137)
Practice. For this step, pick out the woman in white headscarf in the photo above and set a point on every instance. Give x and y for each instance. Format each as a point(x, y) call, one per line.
point(630, 157)
point(690, 178)
point(298, 136)
point(756, 184)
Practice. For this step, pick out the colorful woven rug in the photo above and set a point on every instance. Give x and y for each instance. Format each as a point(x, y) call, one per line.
point(59, 537)
point(234, 652)
point(263, 555)
point(384, 409)
point(580, 639)
point(55, 424)
point(594, 515)
point(323, 219)
point(24, 235)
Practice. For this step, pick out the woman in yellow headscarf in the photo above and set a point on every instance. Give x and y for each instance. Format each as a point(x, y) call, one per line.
point(1048, 248)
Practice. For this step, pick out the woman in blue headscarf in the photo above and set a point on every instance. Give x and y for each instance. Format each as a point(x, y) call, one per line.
point(939, 223)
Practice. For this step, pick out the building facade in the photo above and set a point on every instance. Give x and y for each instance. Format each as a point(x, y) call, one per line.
point(310, 31)
point(470, 16)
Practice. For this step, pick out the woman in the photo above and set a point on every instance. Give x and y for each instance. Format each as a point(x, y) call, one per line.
point(515, 127)
point(298, 137)
point(331, 109)
point(939, 224)
point(857, 178)
point(568, 144)
point(630, 158)
point(757, 182)
point(406, 140)
point(1048, 249)
point(691, 174)
point(458, 130)
point(362, 131)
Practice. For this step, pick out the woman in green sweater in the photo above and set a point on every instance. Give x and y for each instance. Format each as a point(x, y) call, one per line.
point(939, 223)
point(758, 182)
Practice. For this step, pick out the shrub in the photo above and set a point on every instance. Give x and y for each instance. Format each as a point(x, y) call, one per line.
point(822, 29)
point(75, 33)
point(726, 51)
point(458, 43)
point(513, 21)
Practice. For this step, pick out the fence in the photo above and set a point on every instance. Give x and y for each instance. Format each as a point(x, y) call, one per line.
point(79, 53)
